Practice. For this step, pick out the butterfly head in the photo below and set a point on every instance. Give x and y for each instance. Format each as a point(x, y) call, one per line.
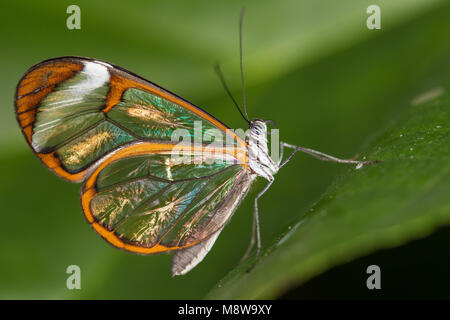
point(258, 125)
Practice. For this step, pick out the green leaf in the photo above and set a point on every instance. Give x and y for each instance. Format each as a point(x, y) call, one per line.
point(384, 205)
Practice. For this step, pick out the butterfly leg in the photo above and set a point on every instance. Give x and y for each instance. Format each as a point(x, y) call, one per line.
point(252, 243)
point(322, 156)
point(281, 153)
point(256, 230)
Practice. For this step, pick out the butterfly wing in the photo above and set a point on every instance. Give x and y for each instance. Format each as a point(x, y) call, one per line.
point(145, 204)
point(184, 260)
point(75, 111)
point(94, 122)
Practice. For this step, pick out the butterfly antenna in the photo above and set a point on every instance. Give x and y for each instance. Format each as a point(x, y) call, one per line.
point(241, 19)
point(222, 79)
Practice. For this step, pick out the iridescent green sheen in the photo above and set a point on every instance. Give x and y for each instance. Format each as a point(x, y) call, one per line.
point(53, 132)
point(166, 169)
point(123, 170)
point(152, 117)
point(69, 109)
point(162, 166)
point(148, 224)
point(91, 146)
point(202, 207)
point(112, 205)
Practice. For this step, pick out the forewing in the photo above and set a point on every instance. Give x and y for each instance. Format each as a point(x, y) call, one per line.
point(74, 112)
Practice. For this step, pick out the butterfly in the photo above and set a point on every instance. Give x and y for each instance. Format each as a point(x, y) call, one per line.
point(96, 123)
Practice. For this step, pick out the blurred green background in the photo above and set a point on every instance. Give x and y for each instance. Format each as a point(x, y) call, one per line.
point(312, 66)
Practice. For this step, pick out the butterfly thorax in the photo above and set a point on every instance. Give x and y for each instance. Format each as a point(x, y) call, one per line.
point(259, 160)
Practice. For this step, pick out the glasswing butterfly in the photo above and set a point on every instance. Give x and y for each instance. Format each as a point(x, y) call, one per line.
point(92, 122)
